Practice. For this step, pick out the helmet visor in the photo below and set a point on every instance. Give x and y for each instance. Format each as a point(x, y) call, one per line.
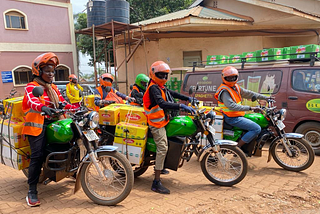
point(231, 78)
point(162, 75)
point(107, 79)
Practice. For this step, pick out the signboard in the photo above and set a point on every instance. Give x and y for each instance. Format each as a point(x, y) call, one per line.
point(6, 76)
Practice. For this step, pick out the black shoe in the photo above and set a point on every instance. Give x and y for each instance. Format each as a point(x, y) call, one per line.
point(159, 188)
point(32, 198)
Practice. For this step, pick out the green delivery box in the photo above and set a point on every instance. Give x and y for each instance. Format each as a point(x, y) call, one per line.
point(217, 59)
point(301, 51)
point(235, 58)
point(286, 53)
point(250, 56)
point(269, 54)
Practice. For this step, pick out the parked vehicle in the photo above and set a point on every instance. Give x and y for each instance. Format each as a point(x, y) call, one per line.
point(296, 87)
point(71, 150)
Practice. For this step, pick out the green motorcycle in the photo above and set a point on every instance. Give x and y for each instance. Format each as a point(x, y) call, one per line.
point(289, 150)
point(72, 151)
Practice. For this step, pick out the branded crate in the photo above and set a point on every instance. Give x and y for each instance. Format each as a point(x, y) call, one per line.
point(302, 51)
point(235, 58)
point(269, 54)
point(250, 56)
point(217, 59)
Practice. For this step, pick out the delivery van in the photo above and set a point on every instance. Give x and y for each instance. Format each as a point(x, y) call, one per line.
point(296, 87)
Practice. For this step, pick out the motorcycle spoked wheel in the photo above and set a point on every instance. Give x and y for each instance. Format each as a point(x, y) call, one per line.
point(118, 183)
point(303, 154)
point(230, 170)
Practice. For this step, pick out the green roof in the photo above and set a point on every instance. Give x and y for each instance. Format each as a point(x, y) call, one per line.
point(205, 13)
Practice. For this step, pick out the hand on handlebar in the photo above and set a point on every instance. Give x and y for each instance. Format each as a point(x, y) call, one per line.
point(193, 100)
point(48, 111)
point(256, 109)
point(187, 108)
point(131, 99)
point(106, 102)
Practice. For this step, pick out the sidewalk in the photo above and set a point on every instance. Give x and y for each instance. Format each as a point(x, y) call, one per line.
point(267, 188)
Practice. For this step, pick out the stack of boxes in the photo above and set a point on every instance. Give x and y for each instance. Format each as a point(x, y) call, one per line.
point(89, 102)
point(174, 84)
point(217, 59)
point(14, 148)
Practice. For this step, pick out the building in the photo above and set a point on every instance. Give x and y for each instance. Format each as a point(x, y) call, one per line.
point(29, 28)
point(222, 27)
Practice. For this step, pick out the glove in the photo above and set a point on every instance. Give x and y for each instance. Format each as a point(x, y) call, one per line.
point(256, 109)
point(193, 100)
point(131, 99)
point(187, 108)
point(48, 111)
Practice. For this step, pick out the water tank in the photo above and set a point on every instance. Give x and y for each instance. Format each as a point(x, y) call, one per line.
point(118, 10)
point(96, 12)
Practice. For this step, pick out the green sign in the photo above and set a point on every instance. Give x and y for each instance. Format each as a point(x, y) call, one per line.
point(313, 105)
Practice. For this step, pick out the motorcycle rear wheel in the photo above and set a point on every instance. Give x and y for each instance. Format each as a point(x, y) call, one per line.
point(118, 183)
point(303, 154)
point(230, 171)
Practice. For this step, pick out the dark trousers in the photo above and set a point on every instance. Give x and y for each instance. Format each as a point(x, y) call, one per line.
point(37, 146)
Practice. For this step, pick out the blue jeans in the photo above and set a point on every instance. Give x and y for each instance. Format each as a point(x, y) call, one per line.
point(245, 124)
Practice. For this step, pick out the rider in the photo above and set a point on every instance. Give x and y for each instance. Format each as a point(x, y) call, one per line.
point(157, 100)
point(106, 93)
point(139, 86)
point(229, 95)
point(43, 70)
point(74, 90)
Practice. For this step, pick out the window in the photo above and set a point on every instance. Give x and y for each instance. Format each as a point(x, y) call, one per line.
point(62, 73)
point(15, 20)
point(306, 80)
point(191, 56)
point(22, 75)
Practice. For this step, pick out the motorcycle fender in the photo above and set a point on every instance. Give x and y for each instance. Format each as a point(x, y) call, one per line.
point(293, 135)
point(204, 151)
point(106, 148)
point(208, 148)
point(226, 142)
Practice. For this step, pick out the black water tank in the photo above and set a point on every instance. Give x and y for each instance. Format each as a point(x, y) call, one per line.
point(96, 12)
point(118, 10)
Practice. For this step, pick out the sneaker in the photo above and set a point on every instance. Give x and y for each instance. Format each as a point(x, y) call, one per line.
point(32, 199)
point(159, 188)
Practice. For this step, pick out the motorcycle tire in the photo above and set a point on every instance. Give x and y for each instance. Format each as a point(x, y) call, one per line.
point(233, 162)
point(114, 182)
point(300, 148)
point(42, 178)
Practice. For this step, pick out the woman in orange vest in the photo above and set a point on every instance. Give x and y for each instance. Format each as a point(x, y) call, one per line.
point(43, 70)
point(105, 92)
point(229, 95)
point(156, 101)
point(139, 88)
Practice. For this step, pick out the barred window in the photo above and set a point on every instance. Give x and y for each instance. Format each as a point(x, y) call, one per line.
point(15, 20)
point(22, 75)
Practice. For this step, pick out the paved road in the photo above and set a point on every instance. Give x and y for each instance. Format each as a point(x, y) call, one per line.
point(191, 192)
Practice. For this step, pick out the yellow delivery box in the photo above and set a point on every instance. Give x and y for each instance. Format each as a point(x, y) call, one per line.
point(89, 102)
point(133, 114)
point(15, 158)
point(11, 132)
point(13, 107)
point(109, 115)
point(131, 134)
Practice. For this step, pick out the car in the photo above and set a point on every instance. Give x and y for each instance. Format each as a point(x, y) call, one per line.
point(88, 89)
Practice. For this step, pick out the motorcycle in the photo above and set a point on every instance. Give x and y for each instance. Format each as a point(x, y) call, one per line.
point(221, 161)
point(289, 150)
point(72, 151)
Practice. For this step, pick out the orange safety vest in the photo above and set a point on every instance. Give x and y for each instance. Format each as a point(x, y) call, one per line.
point(137, 89)
point(34, 120)
point(156, 116)
point(235, 95)
point(112, 96)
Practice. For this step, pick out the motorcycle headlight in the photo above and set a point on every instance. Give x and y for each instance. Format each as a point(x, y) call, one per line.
point(282, 114)
point(93, 120)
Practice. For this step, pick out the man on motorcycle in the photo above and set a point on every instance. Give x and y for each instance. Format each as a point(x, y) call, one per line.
point(105, 92)
point(157, 100)
point(139, 86)
point(229, 95)
point(43, 70)
point(74, 90)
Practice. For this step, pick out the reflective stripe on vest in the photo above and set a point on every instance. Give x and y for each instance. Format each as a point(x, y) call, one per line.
point(236, 97)
point(33, 124)
point(156, 116)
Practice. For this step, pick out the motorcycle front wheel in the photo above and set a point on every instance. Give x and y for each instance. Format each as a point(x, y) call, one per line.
point(302, 154)
point(116, 184)
point(229, 169)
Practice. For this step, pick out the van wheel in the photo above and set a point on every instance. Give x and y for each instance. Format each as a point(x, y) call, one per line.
point(311, 132)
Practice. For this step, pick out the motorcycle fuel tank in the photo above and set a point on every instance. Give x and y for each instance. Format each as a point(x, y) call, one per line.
point(258, 118)
point(59, 131)
point(181, 126)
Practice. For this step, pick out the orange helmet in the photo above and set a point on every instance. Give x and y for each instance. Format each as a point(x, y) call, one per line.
point(105, 82)
point(230, 76)
point(159, 72)
point(42, 60)
point(72, 76)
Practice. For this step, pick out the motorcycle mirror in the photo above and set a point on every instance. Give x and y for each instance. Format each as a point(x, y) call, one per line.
point(254, 98)
point(37, 91)
point(190, 90)
point(108, 89)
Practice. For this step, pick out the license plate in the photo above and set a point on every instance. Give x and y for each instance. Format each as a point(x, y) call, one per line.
point(90, 135)
point(280, 124)
point(212, 130)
